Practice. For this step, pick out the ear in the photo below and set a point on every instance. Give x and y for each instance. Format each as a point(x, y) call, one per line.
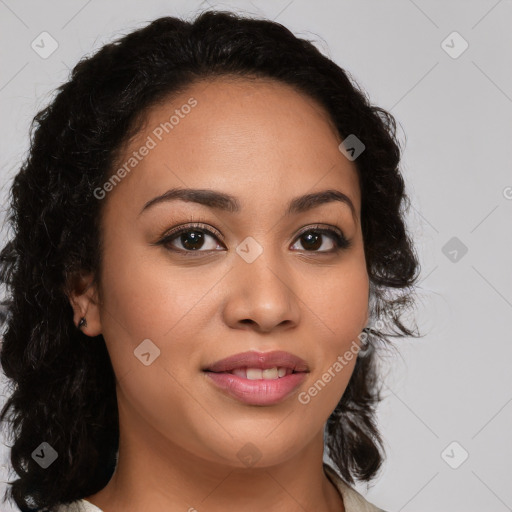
point(83, 296)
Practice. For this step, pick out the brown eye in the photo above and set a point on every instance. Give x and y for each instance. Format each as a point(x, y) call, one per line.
point(195, 238)
point(313, 240)
point(190, 239)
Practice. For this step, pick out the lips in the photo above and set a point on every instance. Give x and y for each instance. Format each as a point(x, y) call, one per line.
point(260, 360)
point(256, 378)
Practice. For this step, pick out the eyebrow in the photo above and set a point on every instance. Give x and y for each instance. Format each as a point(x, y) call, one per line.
point(228, 203)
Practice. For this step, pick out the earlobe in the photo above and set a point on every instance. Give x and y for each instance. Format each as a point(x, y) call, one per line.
point(83, 297)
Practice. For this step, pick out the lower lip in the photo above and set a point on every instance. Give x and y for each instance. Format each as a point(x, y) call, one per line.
point(257, 392)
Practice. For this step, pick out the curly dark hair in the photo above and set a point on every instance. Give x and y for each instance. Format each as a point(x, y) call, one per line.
point(61, 382)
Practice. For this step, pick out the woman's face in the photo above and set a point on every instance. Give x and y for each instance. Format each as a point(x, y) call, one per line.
point(253, 276)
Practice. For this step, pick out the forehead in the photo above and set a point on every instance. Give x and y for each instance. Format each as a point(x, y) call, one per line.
point(236, 135)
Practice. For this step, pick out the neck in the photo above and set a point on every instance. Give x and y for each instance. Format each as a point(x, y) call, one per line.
point(152, 473)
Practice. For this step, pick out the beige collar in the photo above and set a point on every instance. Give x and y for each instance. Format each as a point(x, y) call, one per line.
point(352, 500)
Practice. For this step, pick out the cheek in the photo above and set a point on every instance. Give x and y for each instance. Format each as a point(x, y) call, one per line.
point(146, 293)
point(158, 405)
point(151, 306)
point(339, 301)
point(336, 356)
point(340, 305)
point(151, 316)
point(318, 399)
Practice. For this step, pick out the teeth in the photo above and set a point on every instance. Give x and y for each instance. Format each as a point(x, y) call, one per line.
point(254, 373)
point(258, 373)
point(240, 372)
point(270, 373)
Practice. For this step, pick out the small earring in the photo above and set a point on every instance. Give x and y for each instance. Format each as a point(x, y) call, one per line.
point(82, 323)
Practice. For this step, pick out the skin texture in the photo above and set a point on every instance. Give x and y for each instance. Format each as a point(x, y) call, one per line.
point(264, 143)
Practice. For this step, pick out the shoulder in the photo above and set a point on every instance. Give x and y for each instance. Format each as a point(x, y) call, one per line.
point(79, 506)
point(352, 500)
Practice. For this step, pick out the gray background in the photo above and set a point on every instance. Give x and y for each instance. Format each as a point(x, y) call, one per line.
point(454, 385)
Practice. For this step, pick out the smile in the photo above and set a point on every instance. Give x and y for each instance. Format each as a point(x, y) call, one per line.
point(257, 378)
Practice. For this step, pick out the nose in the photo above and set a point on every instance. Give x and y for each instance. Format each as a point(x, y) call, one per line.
point(261, 295)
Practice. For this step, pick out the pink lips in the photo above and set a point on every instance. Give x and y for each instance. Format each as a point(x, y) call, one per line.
point(260, 391)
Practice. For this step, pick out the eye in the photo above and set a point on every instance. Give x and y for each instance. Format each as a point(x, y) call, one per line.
point(197, 238)
point(312, 240)
point(191, 238)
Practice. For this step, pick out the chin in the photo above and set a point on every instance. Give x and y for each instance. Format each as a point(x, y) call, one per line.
point(248, 450)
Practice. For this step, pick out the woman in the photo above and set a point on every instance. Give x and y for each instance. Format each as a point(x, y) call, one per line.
point(207, 231)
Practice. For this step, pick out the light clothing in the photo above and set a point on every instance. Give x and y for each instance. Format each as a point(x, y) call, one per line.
point(79, 506)
point(352, 500)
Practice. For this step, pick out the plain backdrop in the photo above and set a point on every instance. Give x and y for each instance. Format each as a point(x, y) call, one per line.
point(443, 69)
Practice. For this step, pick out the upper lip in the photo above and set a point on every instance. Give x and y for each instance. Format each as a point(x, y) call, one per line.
point(262, 360)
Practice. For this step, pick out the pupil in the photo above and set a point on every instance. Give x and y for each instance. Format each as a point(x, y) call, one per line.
point(195, 236)
point(314, 238)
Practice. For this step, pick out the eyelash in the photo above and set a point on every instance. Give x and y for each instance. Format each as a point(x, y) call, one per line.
point(338, 238)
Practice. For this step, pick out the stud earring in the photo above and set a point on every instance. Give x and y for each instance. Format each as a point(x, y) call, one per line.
point(82, 323)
